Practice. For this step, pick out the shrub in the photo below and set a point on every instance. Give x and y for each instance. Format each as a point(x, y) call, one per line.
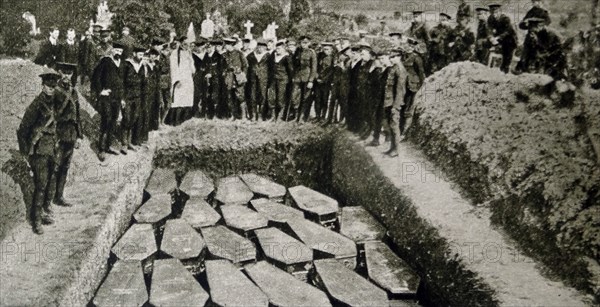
point(361, 19)
point(14, 35)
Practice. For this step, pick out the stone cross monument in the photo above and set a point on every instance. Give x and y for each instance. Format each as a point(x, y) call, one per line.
point(248, 25)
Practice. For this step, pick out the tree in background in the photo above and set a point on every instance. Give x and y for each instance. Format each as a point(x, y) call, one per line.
point(300, 9)
point(14, 34)
point(144, 27)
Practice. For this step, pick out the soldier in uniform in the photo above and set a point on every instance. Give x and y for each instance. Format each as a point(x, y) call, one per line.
point(395, 39)
point(87, 47)
point(198, 54)
point(364, 91)
point(461, 41)
point(37, 142)
point(68, 128)
point(395, 91)
point(235, 80)
point(354, 67)
point(107, 86)
point(258, 77)
point(482, 42)
point(416, 75)
point(379, 86)
point(503, 35)
point(325, 67)
point(439, 51)
point(305, 72)
point(418, 30)
point(49, 52)
point(279, 76)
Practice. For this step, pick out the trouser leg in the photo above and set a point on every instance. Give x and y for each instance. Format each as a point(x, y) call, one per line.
point(507, 56)
point(393, 119)
point(65, 154)
point(405, 113)
point(378, 121)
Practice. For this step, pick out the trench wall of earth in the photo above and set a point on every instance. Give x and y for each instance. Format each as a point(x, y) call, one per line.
point(527, 148)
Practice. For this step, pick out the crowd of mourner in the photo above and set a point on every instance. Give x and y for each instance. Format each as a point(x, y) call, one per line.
point(136, 88)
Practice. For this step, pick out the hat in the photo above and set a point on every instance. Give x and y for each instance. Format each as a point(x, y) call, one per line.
point(343, 51)
point(105, 32)
point(494, 6)
point(246, 40)
point(63, 66)
point(229, 40)
point(482, 9)
point(261, 42)
point(280, 43)
point(157, 41)
point(535, 20)
point(396, 52)
point(118, 44)
point(365, 47)
point(327, 44)
point(392, 34)
point(97, 26)
point(49, 76)
point(304, 38)
point(216, 42)
point(138, 48)
point(153, 51)
point(445, 15)
point(362, 32)
point(355, 48)
point(417, 13)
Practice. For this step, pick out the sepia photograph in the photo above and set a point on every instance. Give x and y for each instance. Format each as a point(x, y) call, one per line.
point(299, 153)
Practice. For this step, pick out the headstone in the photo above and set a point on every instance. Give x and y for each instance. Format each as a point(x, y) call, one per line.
point(275, 212)
point(249, 25)
point(198, 213)
point(232, 191)
point(191, 34)
point(197, 184)
point(264, 187)
point(230, 287)
point(181, 241)
point(31, 19)
point(285, 252)
point(283, 289)
point(157, 208)
point(325, 241)
point(124, 286)
point(346, 286)
point(357, 224)
point(162, 181)
point(173, 285)
point(388, 271)
point(243, 219)
point(138, 243)
point(226, 244)
point(319, 207)
point(103, 15)
point(207, 27)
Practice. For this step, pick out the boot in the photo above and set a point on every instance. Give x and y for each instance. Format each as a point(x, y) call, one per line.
point(62, 202)
point(37, 227)
point(393, 153)
point(374, 143)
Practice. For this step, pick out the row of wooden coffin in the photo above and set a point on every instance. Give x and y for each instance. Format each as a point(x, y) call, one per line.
point(239, 190)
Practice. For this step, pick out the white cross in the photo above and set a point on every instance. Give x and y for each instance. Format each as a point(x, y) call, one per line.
point(248, 25)
point(274, 26)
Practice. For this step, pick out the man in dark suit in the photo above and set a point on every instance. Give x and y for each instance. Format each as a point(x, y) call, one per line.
point(235, 80)
point(258, 76)
point(37, 141)
point(215, 65)
point(439, 52)
point(529, 51)
point(133, 130)
point(305, 73)
point(198, 54)
point(50, 50)
point(280, 75)
point(107, 86)
point(503, 35)
point(69, 51)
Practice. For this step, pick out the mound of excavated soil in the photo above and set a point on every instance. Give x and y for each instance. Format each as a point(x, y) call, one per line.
point(528, 148)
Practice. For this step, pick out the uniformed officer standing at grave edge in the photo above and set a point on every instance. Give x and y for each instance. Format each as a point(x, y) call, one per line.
point(325, 67)
point(37, 141)
point(305, 72)
point(482, 41)
point(395, 91)
point(68, 127)
point(439, 51)
point(503, 35)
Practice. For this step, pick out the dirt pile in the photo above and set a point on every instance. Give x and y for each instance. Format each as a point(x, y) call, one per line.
point(528, 148)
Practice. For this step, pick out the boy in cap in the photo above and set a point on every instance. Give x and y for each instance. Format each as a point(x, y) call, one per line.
point(279, 76)
point(305, 73)
point(235, 80)
point(37, 141)
point(258, 77)
point(325, 68)
point(68, 128)
point(504, 35)
point(134, 113)
point(107, 86)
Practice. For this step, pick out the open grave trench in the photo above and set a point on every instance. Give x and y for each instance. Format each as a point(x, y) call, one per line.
point(298, 217)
